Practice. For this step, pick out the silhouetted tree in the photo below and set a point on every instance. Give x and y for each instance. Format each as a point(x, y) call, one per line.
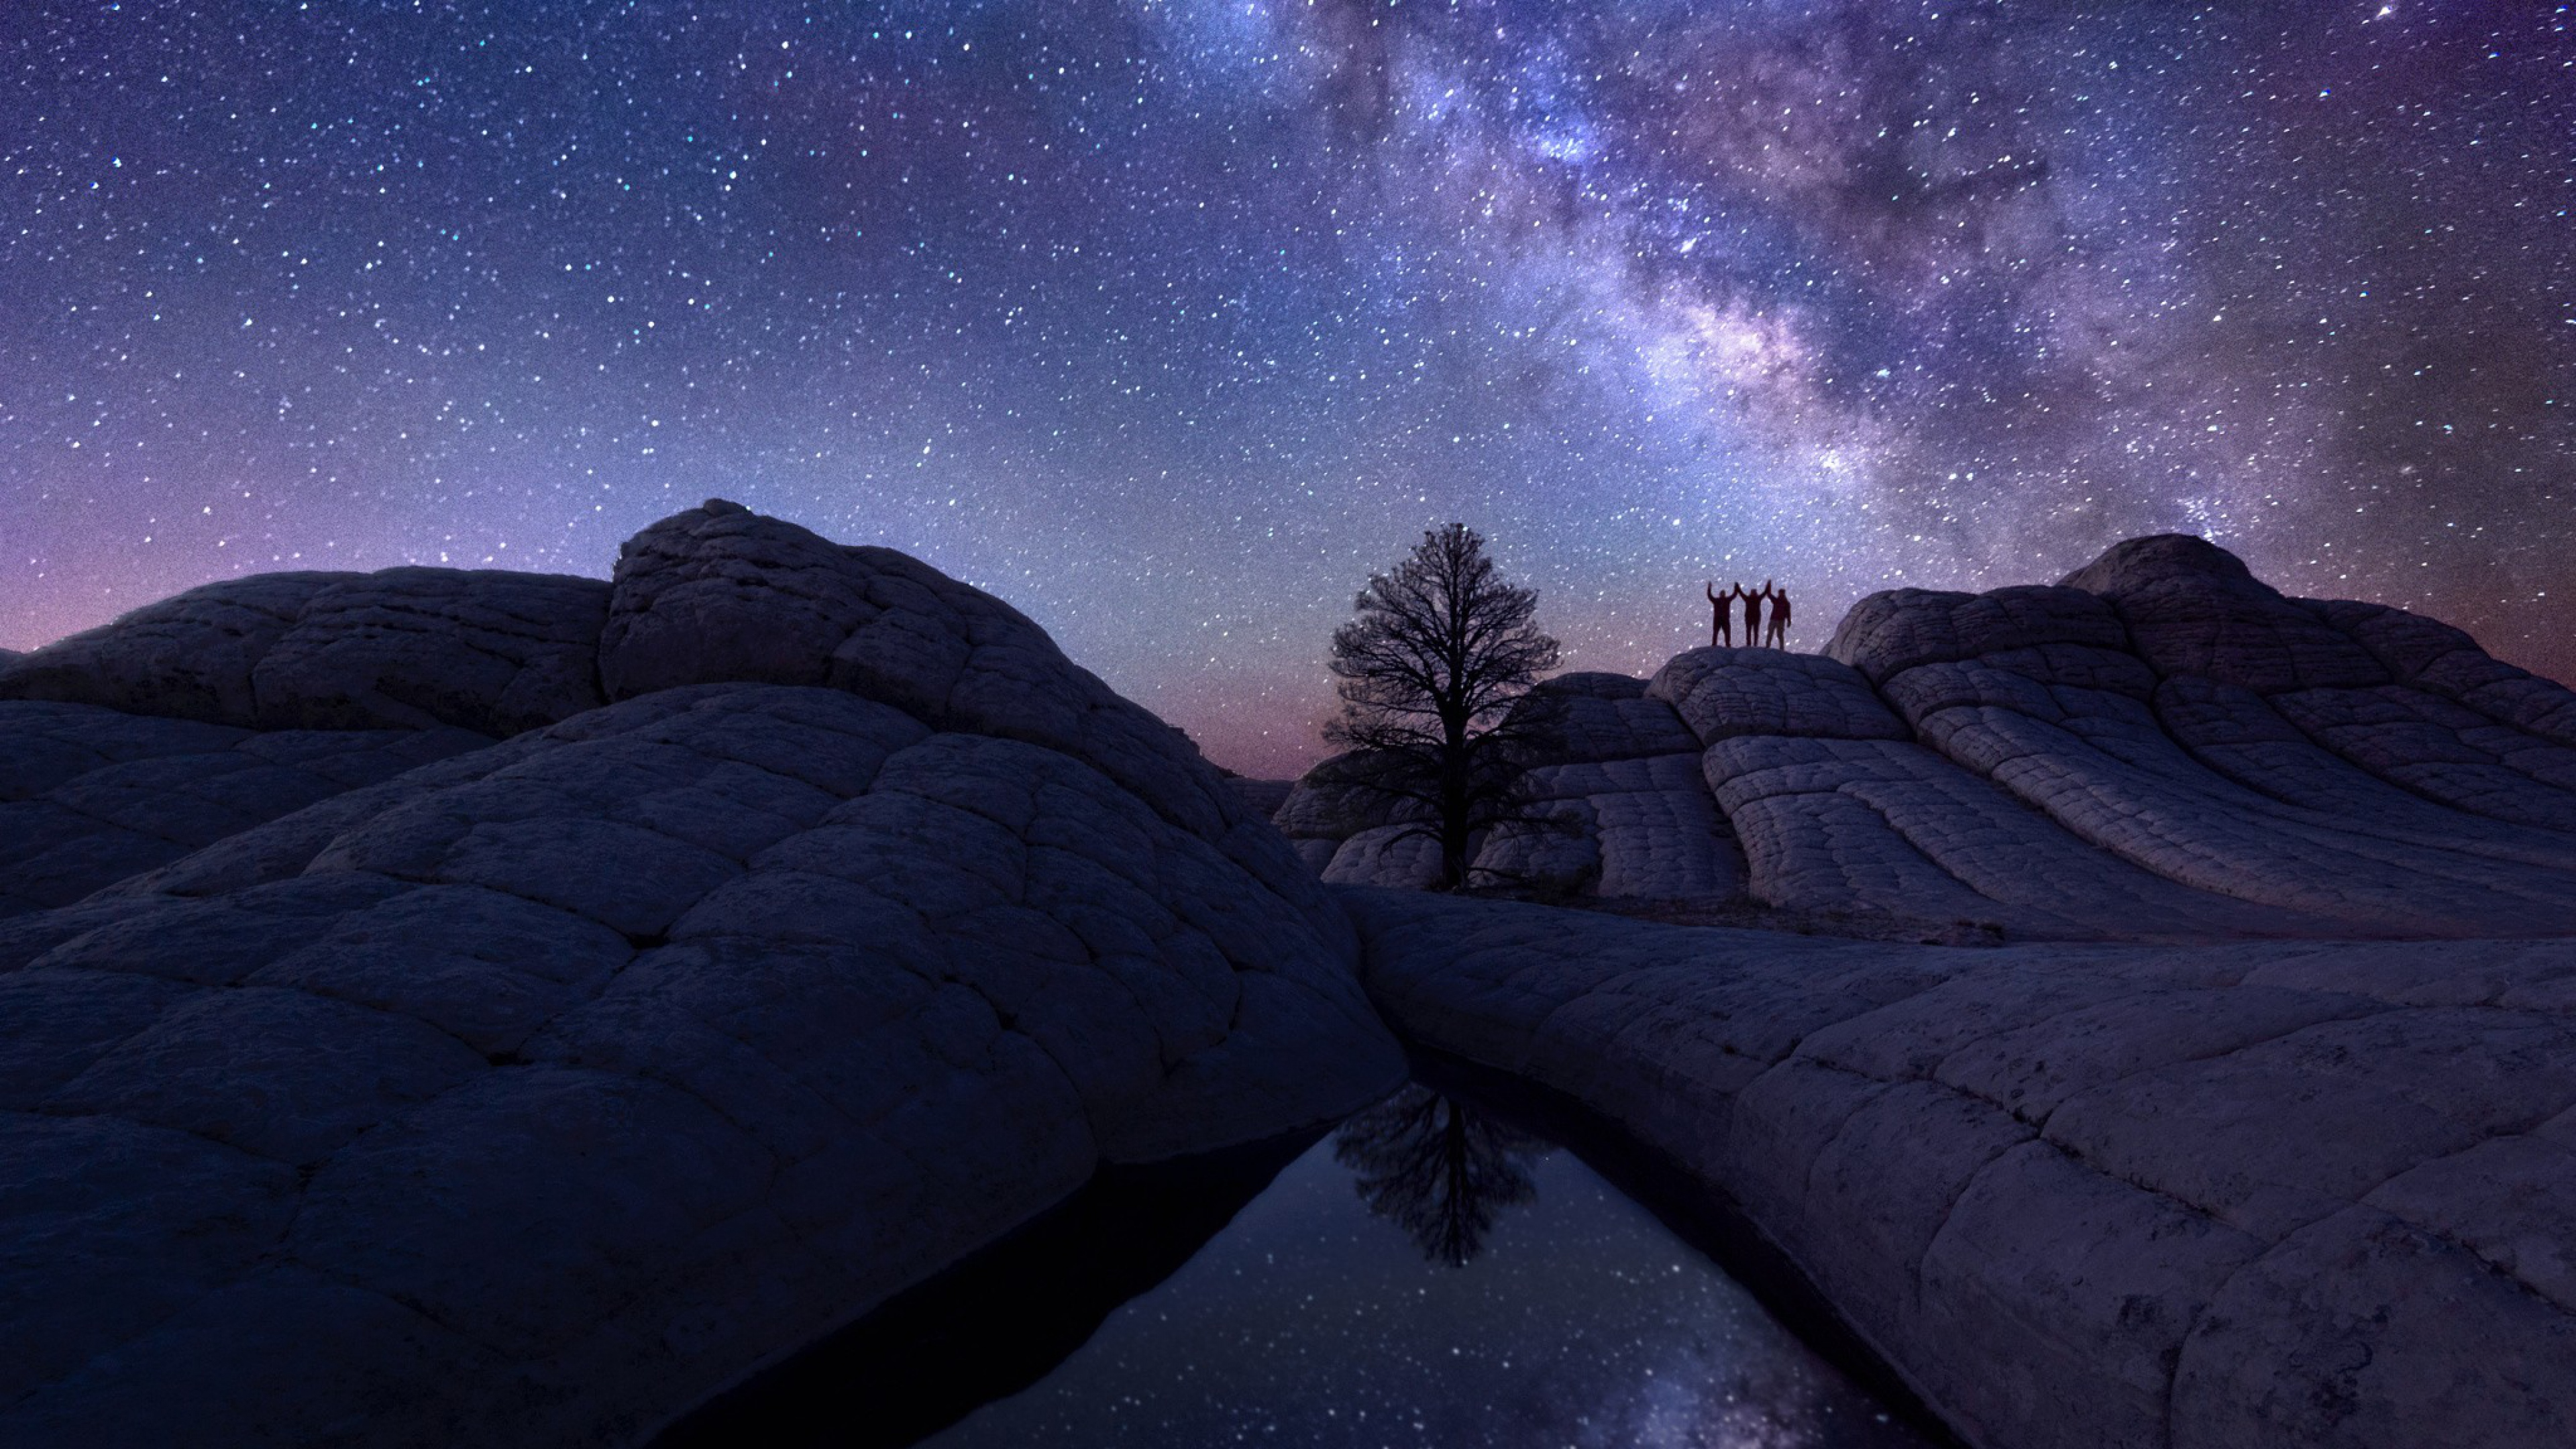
point(1437, 1167)
point(1428, 671)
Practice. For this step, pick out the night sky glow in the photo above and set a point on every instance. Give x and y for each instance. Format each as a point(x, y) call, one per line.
point(1169, 320)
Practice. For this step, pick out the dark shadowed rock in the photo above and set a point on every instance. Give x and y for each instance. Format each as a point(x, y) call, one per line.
point(1557, 854)
point(532, 1094)
point(407, 648)
point(1331, 803)
point(2106, 766)
point(2154, 560)
point(91, 796)
point(1621, 813)
point(2192, 607)
point(1261, 797)
point(1724, 693)
point(1591, 684)
point(189, 656)
point(1590, 718)
point(2430, 655)
point(1633, 828)
point(2457, 725)
point(722, 593)
point(1399, 857)
point(417, 647)
point(1886, 634)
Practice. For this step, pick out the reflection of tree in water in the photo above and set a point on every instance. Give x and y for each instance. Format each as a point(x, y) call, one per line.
point(1439, 1168)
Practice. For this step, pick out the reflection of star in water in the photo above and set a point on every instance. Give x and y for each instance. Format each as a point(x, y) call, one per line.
point(1582, 1322)
point(1705, 1395)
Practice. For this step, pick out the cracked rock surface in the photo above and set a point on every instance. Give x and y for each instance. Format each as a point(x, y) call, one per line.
point(2211, 1197)
point(443, 1006)
point(92, 796)
point(2159, 748)
point(530, 1092)
point(406, 648)
point(1625, 814)
point(2263, 1132)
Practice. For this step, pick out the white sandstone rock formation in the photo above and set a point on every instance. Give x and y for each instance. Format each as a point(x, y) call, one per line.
point(2159, 748)
point(405, 648)
point(2215, 1197)
point(818, 923)
point(2287, 1177)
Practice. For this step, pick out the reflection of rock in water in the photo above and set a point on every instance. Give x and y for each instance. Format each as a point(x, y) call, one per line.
point(997, 1321)
point(1438, 1167)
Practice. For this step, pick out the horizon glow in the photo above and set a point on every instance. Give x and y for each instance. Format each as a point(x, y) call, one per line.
point(1169, 321)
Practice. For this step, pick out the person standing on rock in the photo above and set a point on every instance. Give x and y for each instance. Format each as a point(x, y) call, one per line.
point(1752, 615)
point(1779, 616)
point(1721, 613)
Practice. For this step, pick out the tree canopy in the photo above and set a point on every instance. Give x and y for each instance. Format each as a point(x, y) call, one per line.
point(1428, 668)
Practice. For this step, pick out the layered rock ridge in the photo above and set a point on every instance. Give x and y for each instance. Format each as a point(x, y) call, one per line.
point(2166, 707)
point(1617, 790)
point(2262, 1132)
point(508, 1010)
point(2160, 747)
point(2213, 1197)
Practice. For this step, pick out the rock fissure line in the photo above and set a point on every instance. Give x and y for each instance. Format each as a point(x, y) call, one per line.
point(864, 1079)
point(835, 1101)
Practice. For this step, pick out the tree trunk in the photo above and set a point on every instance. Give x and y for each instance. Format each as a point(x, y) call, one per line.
point(1455, 805)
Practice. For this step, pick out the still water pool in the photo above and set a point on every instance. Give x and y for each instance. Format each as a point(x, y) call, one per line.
point(1427, 1275)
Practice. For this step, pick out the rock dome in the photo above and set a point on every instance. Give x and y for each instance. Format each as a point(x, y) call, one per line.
point(469, 1007)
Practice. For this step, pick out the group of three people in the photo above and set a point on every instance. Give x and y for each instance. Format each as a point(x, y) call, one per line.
point(1721, 619)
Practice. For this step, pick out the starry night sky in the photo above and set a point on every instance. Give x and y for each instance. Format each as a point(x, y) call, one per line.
point(1170, 320)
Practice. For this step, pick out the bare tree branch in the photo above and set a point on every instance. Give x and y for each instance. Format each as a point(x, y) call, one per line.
point(1427, 671)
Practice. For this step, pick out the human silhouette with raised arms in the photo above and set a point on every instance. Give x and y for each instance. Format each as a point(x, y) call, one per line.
point(1721, 614)
point(1752, 616)
point(1779, 636)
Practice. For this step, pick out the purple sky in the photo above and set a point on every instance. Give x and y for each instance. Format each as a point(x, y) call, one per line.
point(1171, 321)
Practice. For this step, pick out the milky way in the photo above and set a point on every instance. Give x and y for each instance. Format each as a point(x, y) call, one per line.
point(1171, 321)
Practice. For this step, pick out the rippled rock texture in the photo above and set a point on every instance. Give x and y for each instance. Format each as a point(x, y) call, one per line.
point(2246, 1195)
point(2263, 1132)
point(463, 1007)
point(470, 1007)
point(2159, 748)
